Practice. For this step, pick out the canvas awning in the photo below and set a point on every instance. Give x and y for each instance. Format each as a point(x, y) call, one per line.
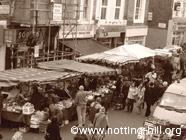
point(71, 65)
point(86, 46)
point(120, 55)
point(16, 76)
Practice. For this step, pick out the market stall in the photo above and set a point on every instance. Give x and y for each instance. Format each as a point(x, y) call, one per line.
point(129, 60)
point(28, 92)
point(95, 78)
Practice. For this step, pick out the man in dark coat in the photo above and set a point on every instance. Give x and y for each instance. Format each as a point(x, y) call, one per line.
point(149, 97)
point(124, 90)
point(52, 132)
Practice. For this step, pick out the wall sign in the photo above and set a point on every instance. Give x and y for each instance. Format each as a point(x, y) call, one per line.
point(57, 12)
point(149, 16)
point(20, 35)
point(162, 25)
point(83, 31)
point(4, 9)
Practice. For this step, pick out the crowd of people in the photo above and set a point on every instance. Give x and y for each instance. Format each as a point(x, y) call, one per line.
point(128, 94)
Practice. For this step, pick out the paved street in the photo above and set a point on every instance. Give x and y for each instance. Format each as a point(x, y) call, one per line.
point(117, 119)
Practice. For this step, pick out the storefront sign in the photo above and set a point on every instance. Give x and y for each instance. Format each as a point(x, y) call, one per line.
point(21, 35)
point(57, 12)
point(83, 31)
point(109, 31)
point(179, 25)
point(4, 9)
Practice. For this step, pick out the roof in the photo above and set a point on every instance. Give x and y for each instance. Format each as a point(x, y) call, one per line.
point(15, 76)
point(86, 46)
point(178, 88)
point(90, 69)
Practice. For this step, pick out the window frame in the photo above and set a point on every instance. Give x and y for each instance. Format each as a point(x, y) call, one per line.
point(85, 5)
point(104, 7)
point(141, 10)
point(117, 8)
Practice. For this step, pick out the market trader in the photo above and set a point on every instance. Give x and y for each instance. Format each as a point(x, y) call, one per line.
point(81, 102)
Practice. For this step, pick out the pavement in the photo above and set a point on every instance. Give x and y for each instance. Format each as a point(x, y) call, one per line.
point(117, 119)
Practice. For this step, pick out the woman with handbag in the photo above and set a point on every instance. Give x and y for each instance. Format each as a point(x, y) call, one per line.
point(131, 97)
point(53, 132)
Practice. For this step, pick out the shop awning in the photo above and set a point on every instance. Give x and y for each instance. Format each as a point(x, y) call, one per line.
point(71, 65)
point(86, 46)
point(15, 76)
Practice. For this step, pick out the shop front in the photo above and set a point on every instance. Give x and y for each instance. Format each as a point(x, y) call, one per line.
point(176, 32)
point(111, 35)
point(136, 35)
point(21, 46)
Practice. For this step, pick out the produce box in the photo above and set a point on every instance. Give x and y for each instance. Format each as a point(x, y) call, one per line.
point(28, 109)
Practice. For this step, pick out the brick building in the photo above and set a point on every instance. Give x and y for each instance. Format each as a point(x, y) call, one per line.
point(166, 22)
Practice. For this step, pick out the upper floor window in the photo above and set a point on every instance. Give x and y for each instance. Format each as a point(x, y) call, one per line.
point(117, 9)
point(85, 9)
point(104, 9)
point(139, 12)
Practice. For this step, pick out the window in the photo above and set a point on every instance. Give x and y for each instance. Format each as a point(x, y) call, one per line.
point(139, 10)
point(104, 9)
point(117, 9)
point(85, 9)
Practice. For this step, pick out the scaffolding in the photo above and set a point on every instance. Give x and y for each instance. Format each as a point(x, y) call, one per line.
point(70, 15)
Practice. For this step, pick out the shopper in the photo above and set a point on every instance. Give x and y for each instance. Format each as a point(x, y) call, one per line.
point(131, 97)
point(101, 121)
point(81, 102)
point(149, 98)
point(141, 93)
point(124, 90)
point(53, 132)
point(94, 108)
point(118, 87)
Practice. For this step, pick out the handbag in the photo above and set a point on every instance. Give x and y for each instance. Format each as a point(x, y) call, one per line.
point(47, 137)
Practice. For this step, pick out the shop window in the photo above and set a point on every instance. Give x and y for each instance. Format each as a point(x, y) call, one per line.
point(139, 11)
point(104, 9)
point(85, 9)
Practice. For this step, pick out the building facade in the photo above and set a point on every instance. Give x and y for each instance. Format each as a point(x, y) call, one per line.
point(167, 25)
point(136, 15)
point(64, 29)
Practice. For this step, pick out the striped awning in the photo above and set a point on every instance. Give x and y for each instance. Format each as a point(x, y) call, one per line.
point(71, 65)
point(15, 76)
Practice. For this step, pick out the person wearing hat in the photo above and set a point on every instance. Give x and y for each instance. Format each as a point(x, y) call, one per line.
point(81, 102)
